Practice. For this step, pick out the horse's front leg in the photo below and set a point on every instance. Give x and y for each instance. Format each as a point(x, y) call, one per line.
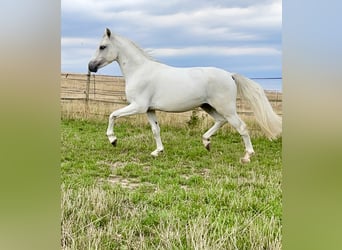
point(152, 118)
point(131, 109)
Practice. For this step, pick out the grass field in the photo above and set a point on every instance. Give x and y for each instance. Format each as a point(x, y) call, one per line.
point(187, 198)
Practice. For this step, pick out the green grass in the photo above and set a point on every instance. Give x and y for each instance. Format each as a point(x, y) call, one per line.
point(187, 198)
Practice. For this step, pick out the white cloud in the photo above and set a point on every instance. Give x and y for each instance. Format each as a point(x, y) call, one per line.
point(177, 13)
point(220, 51)
point(256, 17)
point(78, 41)
point(176, 28)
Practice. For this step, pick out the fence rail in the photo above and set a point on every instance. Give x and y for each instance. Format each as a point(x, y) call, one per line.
point(97, 95)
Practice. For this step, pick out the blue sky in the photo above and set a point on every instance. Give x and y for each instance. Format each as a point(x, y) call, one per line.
point(241, 36)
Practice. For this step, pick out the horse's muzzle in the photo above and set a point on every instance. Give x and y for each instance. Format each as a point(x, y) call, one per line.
point(93, 67)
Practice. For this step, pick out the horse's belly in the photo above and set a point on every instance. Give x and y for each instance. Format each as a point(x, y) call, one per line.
point(176, 103)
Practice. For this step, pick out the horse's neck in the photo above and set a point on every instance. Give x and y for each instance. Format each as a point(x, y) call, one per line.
point(131, 58)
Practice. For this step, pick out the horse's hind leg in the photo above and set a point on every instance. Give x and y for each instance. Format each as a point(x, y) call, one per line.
point(219, 121)
point(235, 121)
point(241, 127)
point(152, 118)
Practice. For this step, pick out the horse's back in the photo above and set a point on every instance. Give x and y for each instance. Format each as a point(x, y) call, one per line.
point(182, 89)
point(191, 78)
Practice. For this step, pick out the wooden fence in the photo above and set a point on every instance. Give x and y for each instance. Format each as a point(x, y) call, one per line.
point(96, 96)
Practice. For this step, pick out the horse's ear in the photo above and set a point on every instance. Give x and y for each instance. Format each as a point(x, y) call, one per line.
point(108, 32)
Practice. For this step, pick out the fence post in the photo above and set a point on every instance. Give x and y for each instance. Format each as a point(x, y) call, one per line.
point(87, 94)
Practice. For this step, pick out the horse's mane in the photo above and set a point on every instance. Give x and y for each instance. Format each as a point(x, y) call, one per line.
point(144, 52)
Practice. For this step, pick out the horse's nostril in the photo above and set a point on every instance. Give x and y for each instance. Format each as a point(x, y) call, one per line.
point(92, 67)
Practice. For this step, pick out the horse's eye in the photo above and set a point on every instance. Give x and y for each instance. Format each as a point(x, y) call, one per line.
point(102, 47)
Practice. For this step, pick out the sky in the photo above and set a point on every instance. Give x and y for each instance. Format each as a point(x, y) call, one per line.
point(242, 36)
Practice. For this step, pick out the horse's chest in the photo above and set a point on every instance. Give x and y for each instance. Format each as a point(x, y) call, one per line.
point(133, 92)
point(129, 95)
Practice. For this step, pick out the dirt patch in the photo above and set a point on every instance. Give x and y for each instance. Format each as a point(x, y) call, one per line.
point(205, 172)
point(131, 183)
point(113, 165)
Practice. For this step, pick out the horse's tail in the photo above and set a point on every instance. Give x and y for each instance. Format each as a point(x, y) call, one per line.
point(268, 120)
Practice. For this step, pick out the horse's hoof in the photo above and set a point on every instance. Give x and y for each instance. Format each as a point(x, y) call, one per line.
point(114, 142)
point(155, 153)
point(112, 139)
point(245, 160)
point(206, 143)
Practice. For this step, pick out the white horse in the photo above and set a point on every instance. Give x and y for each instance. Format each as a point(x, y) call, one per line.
point(152, 86)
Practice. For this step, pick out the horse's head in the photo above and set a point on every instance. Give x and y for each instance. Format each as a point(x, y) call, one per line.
point(105, 53)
